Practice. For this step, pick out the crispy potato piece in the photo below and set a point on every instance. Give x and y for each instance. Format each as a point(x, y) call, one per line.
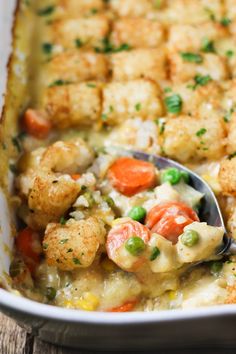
point(72, 105)
point(49, 200)
point(81, 7)
point(184, 37)
point(190, 11)
point(227, 176)
point(138, 98)
point(76, 66)
point(231, 138)
point(212, 64)
point(230, 8)
point(132, 7)
point(192, 138)
point(203, 101)
point(138, 64)
point(147, 33)
point(89, 32)
point(75, 244)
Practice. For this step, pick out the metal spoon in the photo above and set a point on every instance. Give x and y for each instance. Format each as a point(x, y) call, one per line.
point(210, 211)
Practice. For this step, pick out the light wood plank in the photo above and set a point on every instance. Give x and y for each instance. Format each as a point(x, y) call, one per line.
point(13, 339)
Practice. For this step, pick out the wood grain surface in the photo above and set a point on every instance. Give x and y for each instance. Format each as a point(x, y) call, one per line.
point(15, 340)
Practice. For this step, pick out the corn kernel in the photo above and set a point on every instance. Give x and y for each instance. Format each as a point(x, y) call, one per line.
point(88, 302)
point(172, 295)
point(108, 265)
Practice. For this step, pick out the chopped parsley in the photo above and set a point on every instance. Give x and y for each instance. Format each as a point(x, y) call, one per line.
point(161, 122)
point(231, 156)
point(69, 250)
point(210, 14)
point(200, 80)
point(78, 43)
point(208, 46)
point(62, 220)
point(46, 10)
point(225, 21)
point(167, 89)
point(59, 82)
point(94, 11)
point(108, 47)
point(155, 253)
point(17, 141)
point(229, 53)
point(173, 103)
point(63, 241)
point(76, 261)
point(104, 116)
point(201, 132)
point(45, 246)
point(192, 57)
point(47, 48)
point(138, 107)
point(91, 85)
point(228, 115)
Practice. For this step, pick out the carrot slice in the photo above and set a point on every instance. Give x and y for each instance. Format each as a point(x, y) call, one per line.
point(169, 219)
point(126, 307)
point(130, 176)
point(35, 124)
point(119, 234)
point(27, 243)
point(75, 176)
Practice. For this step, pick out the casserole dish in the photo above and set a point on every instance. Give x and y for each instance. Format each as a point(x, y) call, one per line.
point(188, 328)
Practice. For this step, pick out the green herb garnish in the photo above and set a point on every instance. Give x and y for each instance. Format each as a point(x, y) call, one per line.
point(46, 11)
point(192, 57)
point(173, 103)
point(76, 261)
point(201, 132)
point(225, 21)
point(208, 46)
point(155, 253)
point(47, 48)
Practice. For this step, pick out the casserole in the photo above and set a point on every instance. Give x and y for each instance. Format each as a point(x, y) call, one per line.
point(112, 332)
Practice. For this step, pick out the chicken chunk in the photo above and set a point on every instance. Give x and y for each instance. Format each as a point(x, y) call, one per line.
point(184, 37)
point(82, 7)
point(208, 64)
point(72, 105)
point(227, 176)
point(80, 32)
point(147, 34)
point(138, 64)
point(192, 138)
point(80, 66)
point(75, 244)
point(138, 98)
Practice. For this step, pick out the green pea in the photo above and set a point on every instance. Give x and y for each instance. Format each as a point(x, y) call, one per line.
point(135, 245)
point(137, 213)
point(172, 175)
point(190, 238)
point(50, 293)
point(185, 176)
point(216, 267)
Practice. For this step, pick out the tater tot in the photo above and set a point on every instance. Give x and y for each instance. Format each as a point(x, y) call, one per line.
point(147, 33)
point(81, 7)
point(75, 244)
point(138, 64)
point(72, 105)
point(192, 138)
point(138, 98)
point(211, 64)
point(80, 32)
point(227, 176)
point(132, 7)
point(184, 37)
point(80, 66)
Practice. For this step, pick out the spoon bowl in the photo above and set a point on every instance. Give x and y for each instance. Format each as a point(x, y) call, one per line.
point(210, 211)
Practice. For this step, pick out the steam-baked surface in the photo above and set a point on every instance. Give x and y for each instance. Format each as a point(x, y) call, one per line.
point(157, 76)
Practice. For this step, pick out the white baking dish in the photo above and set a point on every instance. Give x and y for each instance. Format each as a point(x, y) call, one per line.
point(212, 326)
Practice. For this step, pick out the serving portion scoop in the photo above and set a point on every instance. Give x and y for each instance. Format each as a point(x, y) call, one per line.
point(210, 211)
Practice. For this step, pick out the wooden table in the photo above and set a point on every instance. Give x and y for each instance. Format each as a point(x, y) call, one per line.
point(15, 340)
